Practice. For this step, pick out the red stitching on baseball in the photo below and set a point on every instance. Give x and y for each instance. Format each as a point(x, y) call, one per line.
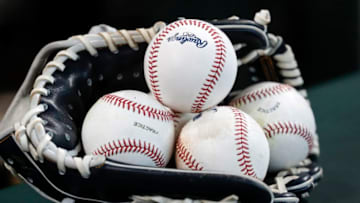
point(152, 62)
point(131, 146)
point(136, 107)
point(215, 72)
point(289, 128)
point(215, 69)
point(186, 157)
point(176, 119)
point(261, 94)
point(241, 141)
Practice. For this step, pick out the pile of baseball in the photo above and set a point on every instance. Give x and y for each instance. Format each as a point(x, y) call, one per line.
point(190, 67)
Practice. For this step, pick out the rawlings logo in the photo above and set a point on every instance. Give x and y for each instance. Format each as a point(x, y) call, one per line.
point(188, 37)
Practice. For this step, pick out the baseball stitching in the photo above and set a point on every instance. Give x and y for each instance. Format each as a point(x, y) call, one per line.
point(241, 142)
point(260, 94)
point(186, 157)
point(136, 107)
point(176, 119)
point(132, 146)
point(289, 128)
point(215, 70)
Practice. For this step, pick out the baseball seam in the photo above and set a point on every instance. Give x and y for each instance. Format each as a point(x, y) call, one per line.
point(183, 153)
point(132, 146)
point(136, 107)
point(260, 94)
point(241, 142)
point(215, 70)
point(289, 128)
point(176, 119)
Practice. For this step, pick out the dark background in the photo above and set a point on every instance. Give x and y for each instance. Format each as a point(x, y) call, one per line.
point(323, 34)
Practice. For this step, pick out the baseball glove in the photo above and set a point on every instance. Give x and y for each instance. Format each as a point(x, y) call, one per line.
point(40, 133)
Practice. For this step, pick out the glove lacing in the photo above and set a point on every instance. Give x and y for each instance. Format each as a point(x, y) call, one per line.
point(291, 74)
point(289, 71)
point(30, 132)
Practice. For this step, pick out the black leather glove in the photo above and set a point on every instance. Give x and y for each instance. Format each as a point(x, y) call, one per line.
point(40, 133)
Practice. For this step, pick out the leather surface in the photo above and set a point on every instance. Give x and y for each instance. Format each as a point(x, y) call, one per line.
point(114, 184)
point(82, 83)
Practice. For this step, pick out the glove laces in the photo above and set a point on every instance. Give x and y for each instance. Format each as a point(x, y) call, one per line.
point(30, 132)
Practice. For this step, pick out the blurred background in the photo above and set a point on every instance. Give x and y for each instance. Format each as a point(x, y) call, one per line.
point(323, 34)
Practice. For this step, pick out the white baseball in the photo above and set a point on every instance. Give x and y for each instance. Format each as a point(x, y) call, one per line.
point(129, 127)
point(286, 118)
point(223, 139)
point(190, 66)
